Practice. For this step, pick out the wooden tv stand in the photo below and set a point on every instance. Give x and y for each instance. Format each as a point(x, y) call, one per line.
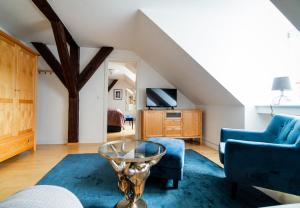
point(172, 123)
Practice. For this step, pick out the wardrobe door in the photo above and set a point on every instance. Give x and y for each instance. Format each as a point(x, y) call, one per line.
point(7, 88)
point(25, 86)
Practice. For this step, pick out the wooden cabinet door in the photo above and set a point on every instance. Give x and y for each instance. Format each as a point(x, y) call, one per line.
point(25, 87)
point(7, 87)
point(153, 125)
point(191, 123)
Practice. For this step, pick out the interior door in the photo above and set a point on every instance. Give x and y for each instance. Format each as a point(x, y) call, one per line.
point(25, 90)
point(7, 87)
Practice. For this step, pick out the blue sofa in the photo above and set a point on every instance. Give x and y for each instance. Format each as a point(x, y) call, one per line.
point(269, 159)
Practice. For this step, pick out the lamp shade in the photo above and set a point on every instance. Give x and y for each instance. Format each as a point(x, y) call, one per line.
point(281, 83)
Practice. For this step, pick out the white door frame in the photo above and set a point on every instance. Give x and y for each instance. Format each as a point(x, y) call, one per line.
point(105, 102)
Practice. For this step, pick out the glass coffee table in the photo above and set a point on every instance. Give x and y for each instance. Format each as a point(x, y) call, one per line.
point(131, 161)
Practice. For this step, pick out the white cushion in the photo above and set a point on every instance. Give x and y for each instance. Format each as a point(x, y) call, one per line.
point(222, 147)
point(287, 206)
point(42, 196)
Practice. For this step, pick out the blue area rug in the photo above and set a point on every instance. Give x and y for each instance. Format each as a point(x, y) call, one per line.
point(91, 178)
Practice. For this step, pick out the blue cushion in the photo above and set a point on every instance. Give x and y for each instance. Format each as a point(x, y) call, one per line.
point(174, 157)
point(289, 133)
point(294, 134)
point(277, 124)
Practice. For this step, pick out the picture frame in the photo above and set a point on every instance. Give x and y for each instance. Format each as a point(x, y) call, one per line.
point(118, 94)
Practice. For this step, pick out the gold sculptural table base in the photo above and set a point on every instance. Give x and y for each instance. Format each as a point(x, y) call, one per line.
point(131, 181)
point(132, 160)
point(138, 204)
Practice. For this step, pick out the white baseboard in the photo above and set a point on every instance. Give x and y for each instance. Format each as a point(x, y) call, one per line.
point(211, 144)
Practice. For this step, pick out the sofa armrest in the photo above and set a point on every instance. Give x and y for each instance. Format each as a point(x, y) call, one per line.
point(297, 144)
point(239, 134)
point(244, 158)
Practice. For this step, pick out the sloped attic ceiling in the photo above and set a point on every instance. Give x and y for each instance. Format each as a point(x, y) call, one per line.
point(178, 67)
point(95, 23)
point(242, 51)
point(291, 9)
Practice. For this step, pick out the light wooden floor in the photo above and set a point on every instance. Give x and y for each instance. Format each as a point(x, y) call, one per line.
point(128, 132)
point(28, 168)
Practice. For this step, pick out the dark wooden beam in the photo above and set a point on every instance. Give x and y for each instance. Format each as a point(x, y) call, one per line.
point(68, 68)
point(47, 10)
point(112, 84)
point(75, 57)
point(65, 60)
point(50, 60)
point(93, 65)
point(73, 119)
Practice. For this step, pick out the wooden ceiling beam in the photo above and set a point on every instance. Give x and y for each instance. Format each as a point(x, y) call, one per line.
point(112, 84)
point(93, 65)
point(49, 13)
point(50, 60)
point(65, 60)
point(68, 68)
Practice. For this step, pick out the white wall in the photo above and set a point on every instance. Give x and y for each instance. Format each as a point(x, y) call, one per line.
point(53, 105)
point(53, 99)
point(216, 117)
point(171, 61)
point(255, 121)
point(150, 78)
point(91, 102)
point(1, 28)
point(52, 110)
point(243, 45)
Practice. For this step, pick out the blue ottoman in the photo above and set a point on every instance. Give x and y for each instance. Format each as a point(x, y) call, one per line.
point(171, 164)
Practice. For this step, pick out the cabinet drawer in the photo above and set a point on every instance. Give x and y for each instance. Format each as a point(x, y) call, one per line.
point(173, 131)
point(173, 128)
point(15, 146)
point(172, 122)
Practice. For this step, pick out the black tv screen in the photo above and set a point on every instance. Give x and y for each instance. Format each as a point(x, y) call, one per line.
point(161, 97)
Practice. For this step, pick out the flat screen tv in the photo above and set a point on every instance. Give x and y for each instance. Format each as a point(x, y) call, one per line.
point(161, 97)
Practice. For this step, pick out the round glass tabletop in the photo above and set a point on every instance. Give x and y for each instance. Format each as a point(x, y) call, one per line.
point(132, 150)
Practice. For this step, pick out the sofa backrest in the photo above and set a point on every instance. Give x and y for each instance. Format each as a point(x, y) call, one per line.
point(288, 129)
point(298, 142)
point(294, 135)
point(277, 124)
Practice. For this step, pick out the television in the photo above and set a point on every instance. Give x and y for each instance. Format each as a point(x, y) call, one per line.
point(161, 97)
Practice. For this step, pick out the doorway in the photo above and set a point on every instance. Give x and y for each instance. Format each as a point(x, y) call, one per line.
point(121, 111)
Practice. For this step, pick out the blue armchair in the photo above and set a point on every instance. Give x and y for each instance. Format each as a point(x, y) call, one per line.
point(269, 159)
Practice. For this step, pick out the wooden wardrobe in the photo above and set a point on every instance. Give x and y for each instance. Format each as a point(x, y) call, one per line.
point(18, 68)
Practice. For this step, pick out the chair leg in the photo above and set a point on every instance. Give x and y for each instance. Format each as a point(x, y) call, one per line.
point(175, 184)
point(234, 187)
